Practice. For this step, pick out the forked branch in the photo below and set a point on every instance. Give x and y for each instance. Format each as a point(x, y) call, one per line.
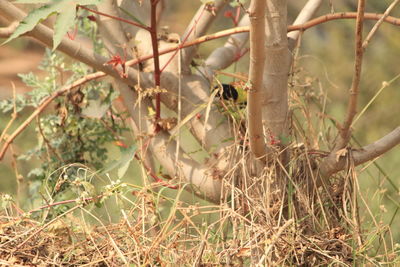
point(335, 162)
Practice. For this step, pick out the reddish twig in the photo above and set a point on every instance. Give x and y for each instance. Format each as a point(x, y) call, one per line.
point(156, 59)
point(116, 18)
point(68, 201)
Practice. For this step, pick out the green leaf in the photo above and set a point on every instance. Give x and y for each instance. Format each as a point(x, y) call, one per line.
point(33, 18)
point(132, 16)
point(65, 20)
point(123, 163)
point(66, 10)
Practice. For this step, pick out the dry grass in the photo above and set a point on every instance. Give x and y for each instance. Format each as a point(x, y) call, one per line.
point(281, 217)
point(263, 225)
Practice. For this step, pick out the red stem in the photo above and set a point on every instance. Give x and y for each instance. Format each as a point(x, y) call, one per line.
point(156, 59)
point(116, 18)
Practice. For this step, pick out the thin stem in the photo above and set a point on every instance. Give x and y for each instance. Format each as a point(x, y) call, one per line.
point(156, 59)
point(116, 18)
point(184, 41)
point(378, 23)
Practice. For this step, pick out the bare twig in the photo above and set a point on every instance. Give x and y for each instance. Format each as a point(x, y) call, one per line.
point(345, 131)
point(116, 18)
point(342, 15)
point(378, 24)
point(185, 39)
point(257, 60)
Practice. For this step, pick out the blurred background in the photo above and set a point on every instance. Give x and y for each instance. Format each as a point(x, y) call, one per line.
point(324, 60)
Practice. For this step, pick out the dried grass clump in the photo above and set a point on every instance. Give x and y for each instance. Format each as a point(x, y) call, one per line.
point(264, 225)
point(286, 216)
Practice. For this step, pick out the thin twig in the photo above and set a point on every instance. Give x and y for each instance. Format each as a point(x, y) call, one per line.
point(116, 18)
point(308, 11)
point(343, 15)
point(378, 23)
point(181, 44)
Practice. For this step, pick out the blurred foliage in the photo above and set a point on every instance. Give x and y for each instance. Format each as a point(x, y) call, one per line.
point(82, 122)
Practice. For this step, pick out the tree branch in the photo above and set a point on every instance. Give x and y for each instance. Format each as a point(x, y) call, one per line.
point(222, 57)
point(198, 26)
point(72, 48)
point(305, 15)
point(163, 148)
point(6, 32)
point(343, 15)
point(276, 72)
point(333, 163)
point(257, 60)
point(345, 131)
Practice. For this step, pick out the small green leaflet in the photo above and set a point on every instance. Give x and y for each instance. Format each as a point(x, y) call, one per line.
point(66, 13)
point(122, 164)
